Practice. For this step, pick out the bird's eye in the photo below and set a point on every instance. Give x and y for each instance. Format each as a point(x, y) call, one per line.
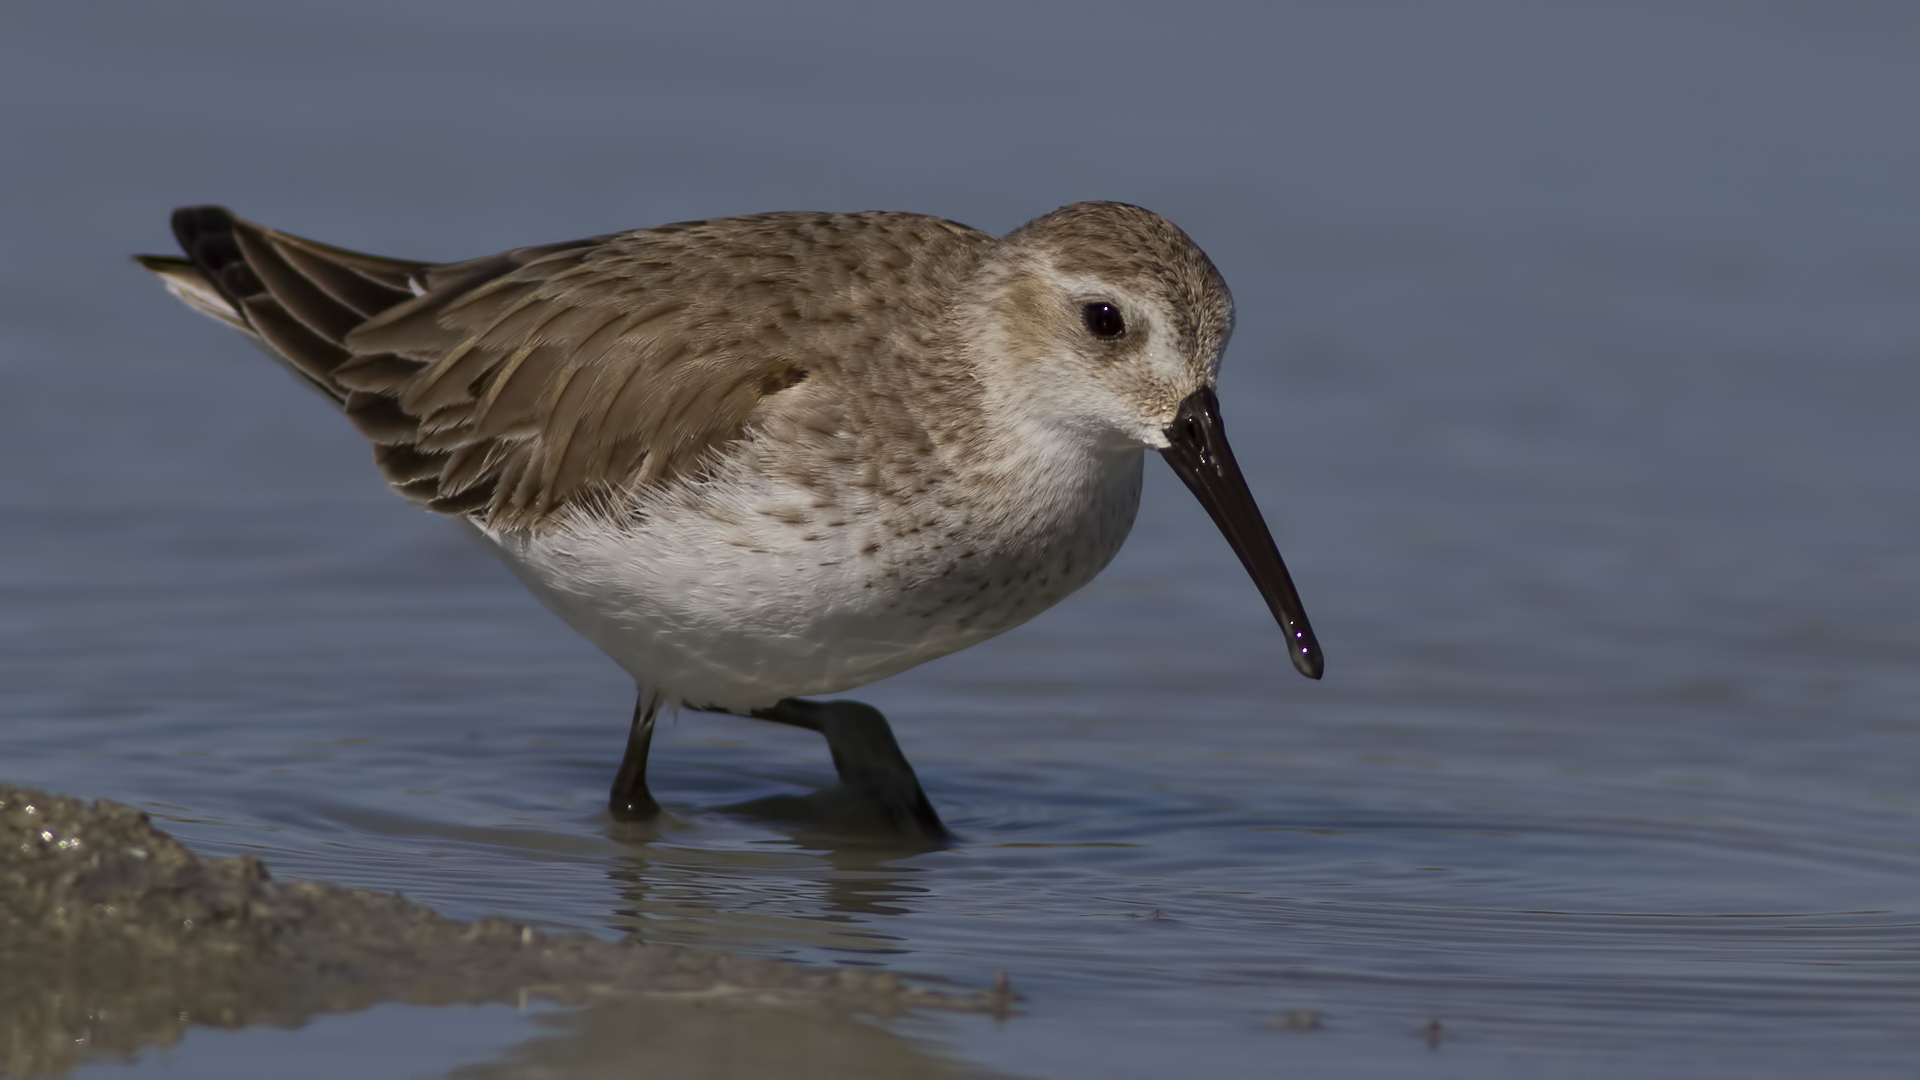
point(1103, 320)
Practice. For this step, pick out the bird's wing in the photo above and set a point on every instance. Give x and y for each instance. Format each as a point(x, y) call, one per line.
point(519, 386)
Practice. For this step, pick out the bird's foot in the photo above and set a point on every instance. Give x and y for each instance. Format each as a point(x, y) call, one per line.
point(878, 790)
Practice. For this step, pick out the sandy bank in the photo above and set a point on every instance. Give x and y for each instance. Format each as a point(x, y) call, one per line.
point(114, 937)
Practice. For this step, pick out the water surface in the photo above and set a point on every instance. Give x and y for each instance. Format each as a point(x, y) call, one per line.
point(1576, 369)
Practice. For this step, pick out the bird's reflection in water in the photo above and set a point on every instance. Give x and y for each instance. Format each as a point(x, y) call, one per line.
point(806, 878)
point(660, 1036)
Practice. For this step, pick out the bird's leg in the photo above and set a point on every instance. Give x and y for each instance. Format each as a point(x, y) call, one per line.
point(630, 800)
point(872, 769)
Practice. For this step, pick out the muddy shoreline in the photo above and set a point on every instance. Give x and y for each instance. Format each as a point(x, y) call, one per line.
point(114, 937)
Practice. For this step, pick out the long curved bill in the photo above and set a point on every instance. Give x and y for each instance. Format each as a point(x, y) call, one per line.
point(1197, 449)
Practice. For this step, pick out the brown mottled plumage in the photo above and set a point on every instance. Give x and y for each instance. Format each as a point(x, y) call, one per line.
point(515, 386)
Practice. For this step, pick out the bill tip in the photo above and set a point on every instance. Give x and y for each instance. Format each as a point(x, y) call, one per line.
point(1309, 663)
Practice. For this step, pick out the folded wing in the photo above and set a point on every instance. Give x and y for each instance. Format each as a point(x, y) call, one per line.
point(519, 386)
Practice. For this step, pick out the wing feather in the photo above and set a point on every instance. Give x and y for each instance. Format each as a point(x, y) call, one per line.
point(380, 373)
point(294, 292)
point(365, 295)
point(523, 387)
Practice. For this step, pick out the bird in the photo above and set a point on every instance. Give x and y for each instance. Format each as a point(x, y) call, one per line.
point(764, 458)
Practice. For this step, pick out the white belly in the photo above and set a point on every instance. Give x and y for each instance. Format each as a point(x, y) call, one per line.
point(785, 598)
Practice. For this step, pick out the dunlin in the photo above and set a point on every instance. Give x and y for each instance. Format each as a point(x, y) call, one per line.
point(788, 454)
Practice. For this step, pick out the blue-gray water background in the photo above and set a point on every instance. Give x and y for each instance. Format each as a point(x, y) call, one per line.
point(1578, 370)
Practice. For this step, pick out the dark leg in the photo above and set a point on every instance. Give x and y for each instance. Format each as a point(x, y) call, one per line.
point(874, 774)
point(630, 800)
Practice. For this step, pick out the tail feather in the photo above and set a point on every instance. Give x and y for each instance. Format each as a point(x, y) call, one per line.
point(185, 281)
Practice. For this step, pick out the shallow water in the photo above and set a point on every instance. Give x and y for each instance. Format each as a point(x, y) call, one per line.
point(1575, 369)
point(386, 1040)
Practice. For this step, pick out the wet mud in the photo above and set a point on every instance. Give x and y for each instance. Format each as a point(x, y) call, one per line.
point(114, 937)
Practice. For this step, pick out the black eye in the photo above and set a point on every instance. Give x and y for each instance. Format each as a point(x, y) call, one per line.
point(1103, 320)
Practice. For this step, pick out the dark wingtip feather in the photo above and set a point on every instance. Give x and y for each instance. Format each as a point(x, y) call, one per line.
point(190, 223)
point(205, 233)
